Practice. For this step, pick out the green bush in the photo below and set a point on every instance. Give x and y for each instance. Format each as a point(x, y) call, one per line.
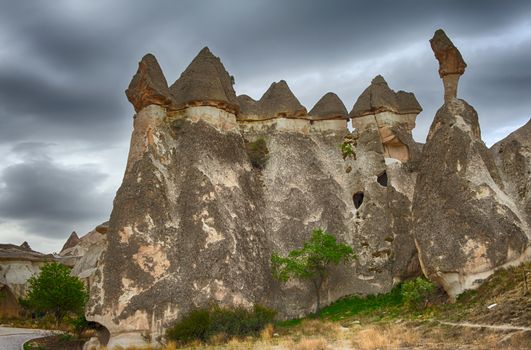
point(415, 292)
point(205, 323)
point(258, 153)
point(347, 150)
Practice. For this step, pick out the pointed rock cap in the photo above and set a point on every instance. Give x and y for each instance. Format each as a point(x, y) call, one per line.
point(71, 242)
point(378, 97)
point(449, 57)
point(329, 106)
point(25, 245)
point(277, 101)
point(205, 82)
point(149, 85)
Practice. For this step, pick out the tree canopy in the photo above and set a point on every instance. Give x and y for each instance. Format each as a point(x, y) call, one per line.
point(312, 261)
point(55, 291)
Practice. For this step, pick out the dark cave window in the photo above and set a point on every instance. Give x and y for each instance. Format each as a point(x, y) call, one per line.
point(382, 179)
point(358, 199)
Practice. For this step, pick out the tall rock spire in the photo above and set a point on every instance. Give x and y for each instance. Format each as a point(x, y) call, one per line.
point(451, 63)
point(205, 82)
point(149, 85)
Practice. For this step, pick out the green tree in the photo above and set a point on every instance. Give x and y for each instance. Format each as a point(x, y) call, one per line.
point(55, 291)
point(312, 261)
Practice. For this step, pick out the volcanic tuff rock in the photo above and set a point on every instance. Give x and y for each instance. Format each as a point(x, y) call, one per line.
point(378, 97)
point(205, 82)
point(328, 107)
point(209, 193)
point(71, 242)
point(18, 264)
point(149, 85)
point(465, 224)
point(513, 158)
point(277, 101)
point(451, 64)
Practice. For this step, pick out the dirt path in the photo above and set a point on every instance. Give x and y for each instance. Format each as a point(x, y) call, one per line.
point(500, 327)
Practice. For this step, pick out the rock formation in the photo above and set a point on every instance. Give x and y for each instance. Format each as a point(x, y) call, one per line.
point(466, 224)
point(17, 265)
point(84, 255)
point(392, 113)
point(451, 64)
point(215, 183)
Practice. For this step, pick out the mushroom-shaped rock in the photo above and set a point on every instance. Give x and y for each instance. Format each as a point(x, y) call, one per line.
point(149, 85)
point(378, 97)
point(205, 82)
point(451, 63)
point(329, 106)
point(277, 101)
point(103, 228)
point(71, 242)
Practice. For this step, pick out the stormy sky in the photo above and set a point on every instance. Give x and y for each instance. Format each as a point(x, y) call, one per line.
point(65, 122)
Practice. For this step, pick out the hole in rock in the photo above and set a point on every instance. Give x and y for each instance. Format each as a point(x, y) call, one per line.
point(358, 199)
point(382, 179)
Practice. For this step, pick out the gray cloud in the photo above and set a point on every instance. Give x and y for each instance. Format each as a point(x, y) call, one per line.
point(47, 199)
point(65, 64)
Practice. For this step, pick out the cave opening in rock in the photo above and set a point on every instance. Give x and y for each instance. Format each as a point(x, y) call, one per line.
point(358, 199)
point(382, 179)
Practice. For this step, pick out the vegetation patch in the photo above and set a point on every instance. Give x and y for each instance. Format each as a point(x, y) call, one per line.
point(217, 324)
point(258, 153)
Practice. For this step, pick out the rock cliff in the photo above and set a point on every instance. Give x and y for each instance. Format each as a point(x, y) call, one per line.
point(215, 183)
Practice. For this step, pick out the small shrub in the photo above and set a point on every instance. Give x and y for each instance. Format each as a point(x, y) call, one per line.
point(415, 292)
point(347, 150)
point(217, 324)
point(258, 153)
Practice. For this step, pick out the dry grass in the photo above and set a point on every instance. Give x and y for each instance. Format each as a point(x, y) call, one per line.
point(267, 332)
point(385, 337)
point(319, 327)
point(312, 344)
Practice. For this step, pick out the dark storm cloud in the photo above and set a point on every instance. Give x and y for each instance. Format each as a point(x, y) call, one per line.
point(47, 199)
point(64, 65)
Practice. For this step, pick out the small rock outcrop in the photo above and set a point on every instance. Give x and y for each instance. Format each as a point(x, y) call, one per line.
point(70, 243)
point(205, 82)
point(329, 106)
point(149, 85)
point(451, 64)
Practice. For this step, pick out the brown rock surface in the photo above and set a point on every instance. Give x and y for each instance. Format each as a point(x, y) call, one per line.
point(205, 82)
point(451, 64)
point(149, 85)
point(329, 106)
point(378, 97)
point(277, 101)
point(71, 242)
point(449, 57)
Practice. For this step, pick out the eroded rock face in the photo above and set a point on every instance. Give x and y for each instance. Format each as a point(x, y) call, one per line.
point(513, 158)
point(465, 225)
point(18, 264)
point(149, 85)
point(451, 63)
point(388, 111)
